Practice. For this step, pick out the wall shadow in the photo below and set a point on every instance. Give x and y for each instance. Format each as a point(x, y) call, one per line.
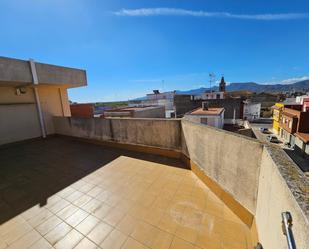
point(31, 172)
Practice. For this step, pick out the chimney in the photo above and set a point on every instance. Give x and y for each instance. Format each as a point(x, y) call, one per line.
point(205, 105)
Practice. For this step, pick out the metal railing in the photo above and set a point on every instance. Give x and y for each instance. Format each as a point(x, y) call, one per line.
point(287, 223)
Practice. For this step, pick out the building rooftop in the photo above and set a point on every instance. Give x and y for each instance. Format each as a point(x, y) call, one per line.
point(290, 112)
point(91, 196)
point(209, 111)
point(139, 108)
point(303, 136)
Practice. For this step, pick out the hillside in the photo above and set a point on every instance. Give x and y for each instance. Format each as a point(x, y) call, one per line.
point(255, 87)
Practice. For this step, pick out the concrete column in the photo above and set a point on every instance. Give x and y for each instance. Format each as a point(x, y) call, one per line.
point(37, 97)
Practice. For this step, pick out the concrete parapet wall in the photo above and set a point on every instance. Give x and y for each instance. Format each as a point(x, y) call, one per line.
point(258, 177)
point(150, 132)
point(230, 160)
point(276, 196)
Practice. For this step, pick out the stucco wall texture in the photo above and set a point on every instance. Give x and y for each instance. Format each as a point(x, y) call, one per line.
point(150, 132)
point(18, 113)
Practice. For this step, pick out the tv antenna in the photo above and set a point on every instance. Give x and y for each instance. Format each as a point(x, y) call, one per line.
point(212, 80)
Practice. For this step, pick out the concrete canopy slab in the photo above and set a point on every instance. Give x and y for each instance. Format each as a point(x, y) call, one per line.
point(15, 72)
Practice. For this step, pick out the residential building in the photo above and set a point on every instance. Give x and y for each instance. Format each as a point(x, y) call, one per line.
point(156, 98)
point(278, 109)
point(252, 110)
point(233, 107)
point(293, 122)
point(302, 144)
point(207, 115)
point(85, 110)
point(31, 93)
point(304, 101)
point(137, 112)
point(212, 95)
point(277, 112)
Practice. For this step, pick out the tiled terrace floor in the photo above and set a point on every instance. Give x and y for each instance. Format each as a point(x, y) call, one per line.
point(131, 202)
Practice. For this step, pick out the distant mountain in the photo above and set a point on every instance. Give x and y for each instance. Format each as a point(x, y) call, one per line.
point(250, 86)
point(255, 87)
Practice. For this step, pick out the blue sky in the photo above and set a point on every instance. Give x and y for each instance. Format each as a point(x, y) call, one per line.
point(129, 47)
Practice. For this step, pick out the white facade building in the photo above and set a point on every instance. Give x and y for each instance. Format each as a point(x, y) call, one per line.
point(252, 110)
point(213, 95)
point(208, 116)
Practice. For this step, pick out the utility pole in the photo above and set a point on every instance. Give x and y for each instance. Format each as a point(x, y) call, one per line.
point(212, 79)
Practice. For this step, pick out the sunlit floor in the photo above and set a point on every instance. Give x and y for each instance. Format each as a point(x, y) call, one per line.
point(129, 203)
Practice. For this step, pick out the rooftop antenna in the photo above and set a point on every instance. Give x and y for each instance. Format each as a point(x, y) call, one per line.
point(212, 79)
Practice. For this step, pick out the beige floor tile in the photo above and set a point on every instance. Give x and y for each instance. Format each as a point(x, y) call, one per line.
point(139, 212)
point(163, 240)
point(114, 240)
point(40, 218)
point(208, 241)
point(86, 187)
point(87, 224)
point(69, 241)
point(86, 244)
point(82, 200)
point(11, 224)
point(76, 218)
point(52, 201)
point(145, 233)
point(41, 244)
point(99, 232)
point(187, 233)
point(27, 240)
point(3, 245)
point(59, 206)
point(181, 244)
point(103, 195)
point(113, 216)
point(92, 206)
point(74, 196)
point(154, 216)
point(214, 208)
point(16, 233)
point(127, 224)
point(101, 211)
point(66, 192)
point(95, 191)
point(133, 244)
point(67, 211)
point(168, 224)
point(48, 225)
point(57, 233)
point(31, 212)
point(113, 200)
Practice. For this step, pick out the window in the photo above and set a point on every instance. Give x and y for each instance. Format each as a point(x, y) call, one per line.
point(218, 96)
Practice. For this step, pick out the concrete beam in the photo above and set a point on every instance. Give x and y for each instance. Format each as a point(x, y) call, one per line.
point(14, 72)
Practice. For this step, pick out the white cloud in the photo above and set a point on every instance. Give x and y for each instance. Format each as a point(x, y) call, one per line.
point(200, 13)
point(293, 80)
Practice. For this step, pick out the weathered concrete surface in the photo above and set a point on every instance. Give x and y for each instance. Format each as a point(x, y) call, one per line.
point(18, 72)
point(19, 115)
point(278, 192)
point(11, 127)
point(233, 161)
point(256, 176)
point(150, 132)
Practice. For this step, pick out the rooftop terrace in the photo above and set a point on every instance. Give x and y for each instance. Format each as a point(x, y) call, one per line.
point(148, 183)
point(91, 196)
